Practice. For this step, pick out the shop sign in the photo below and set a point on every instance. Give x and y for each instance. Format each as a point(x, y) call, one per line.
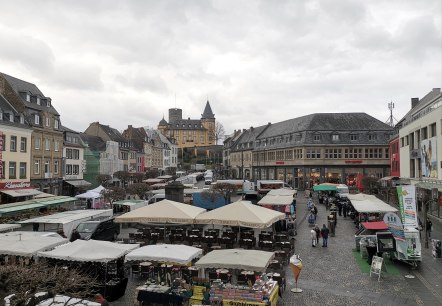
point(353, 161)
point(15, 185)
point(280, 163)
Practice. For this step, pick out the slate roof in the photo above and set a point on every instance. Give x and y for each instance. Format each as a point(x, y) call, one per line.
point(163, 122)
point(113, 134)
point(186, 124)
point(23, 86)
point(5, 106)
point(95, 143)
point(248, 137)
point(207, 114)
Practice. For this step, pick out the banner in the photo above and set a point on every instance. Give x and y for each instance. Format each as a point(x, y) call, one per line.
point(407, 205)
point(394, 225)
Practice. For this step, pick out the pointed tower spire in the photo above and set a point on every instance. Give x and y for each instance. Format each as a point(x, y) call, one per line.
point(207, 114)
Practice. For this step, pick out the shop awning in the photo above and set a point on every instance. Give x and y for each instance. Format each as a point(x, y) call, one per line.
point(79, 183)
point(13, 209)
point(58, 201)
point(20, 192)
point(380, 225)
point(429, 186)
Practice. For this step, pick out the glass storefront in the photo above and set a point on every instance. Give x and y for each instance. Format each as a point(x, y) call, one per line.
point(280, 174)
point(271, 174)
point(333, 175)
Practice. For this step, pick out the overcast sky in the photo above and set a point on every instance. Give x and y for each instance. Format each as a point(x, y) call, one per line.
point(128, 62)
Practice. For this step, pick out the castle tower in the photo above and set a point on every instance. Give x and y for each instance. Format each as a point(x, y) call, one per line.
point(175, 114)
point(208, 122)
point(163, 126)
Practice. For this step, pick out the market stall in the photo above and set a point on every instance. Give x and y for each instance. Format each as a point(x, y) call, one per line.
point(259, 290)
point(8, 227)
point(160, 259)
point(93, 199)
point(125, 206)
point(21, 246)
point(103, 259)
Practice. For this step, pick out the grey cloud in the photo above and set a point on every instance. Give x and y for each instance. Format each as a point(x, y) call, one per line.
point(27, 51)
point(143, 82)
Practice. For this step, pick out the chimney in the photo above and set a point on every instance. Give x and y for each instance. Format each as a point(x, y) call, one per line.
point(129, 126)
point(251, 128)
point(243, 130)
point(414, 102)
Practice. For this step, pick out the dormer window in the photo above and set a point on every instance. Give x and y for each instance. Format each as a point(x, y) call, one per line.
point(335, 137)
point(22, 119)
point(38, 101)
point(47, 121)
point(36, 119)
point(372, 137)
point(56, 124)
point(28, 97)
point(317, 137)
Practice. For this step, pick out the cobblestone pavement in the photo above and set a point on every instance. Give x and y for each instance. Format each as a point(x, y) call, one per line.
point(330, 276)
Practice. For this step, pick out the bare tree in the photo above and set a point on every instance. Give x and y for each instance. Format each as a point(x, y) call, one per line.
point(114, 194)
point(139, 189)
point(219, 132)
point(25, 281)
point(103, 179)
point(225, 189)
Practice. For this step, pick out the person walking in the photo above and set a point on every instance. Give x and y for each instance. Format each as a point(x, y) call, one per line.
point(429, 226)
point(313, 237)
point(324, 234)
point(318, 233)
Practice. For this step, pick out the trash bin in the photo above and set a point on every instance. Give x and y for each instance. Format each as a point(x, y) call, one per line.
point(436, 248)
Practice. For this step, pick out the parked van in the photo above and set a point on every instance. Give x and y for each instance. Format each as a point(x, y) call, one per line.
point(208, 180)
point(99, 229)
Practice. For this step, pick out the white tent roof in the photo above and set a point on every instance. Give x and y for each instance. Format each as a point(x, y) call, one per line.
point(165, 211)
point(98, 189)
point(172, 253)
point(241, 213)
point(62, 300)
point(275, 200)
point(89, 195)
point(90, 250)
point(69, 216)
point(8, 227)
point(281, 192)
point(22, 243)
point(253, 260)
point(365, 203)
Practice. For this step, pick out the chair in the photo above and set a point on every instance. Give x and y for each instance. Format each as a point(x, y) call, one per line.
point(135, 270)
point(132, 238)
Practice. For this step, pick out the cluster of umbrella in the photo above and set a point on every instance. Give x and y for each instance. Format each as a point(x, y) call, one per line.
point(241, 213)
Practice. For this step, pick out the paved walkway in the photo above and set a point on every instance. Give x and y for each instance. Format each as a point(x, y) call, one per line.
point(330, 276)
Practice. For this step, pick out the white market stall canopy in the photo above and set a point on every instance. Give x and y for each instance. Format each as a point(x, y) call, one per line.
point(70, 219)
point(241, 213)
point(21, 243)
point(253, 260)
point(99, 189)
point(170, 253)
point(165, 211)
point(90, 251)
point(364, 203)
point(281, 192)
point(89, 195)
point(8, 227)
point(62, 300)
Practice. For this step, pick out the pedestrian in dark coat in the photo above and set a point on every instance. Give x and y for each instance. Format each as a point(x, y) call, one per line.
point(429, 226)
point(324, 234)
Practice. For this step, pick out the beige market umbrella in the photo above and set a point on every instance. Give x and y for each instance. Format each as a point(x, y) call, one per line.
point(165, 211)
point(241, 213)
point(252, 260)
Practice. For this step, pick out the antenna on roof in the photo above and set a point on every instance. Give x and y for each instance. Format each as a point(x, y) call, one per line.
point(391, 119)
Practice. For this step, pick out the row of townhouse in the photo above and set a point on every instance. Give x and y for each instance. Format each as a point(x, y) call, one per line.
point(416, 148)
point(322, 147)
point(37, 152)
